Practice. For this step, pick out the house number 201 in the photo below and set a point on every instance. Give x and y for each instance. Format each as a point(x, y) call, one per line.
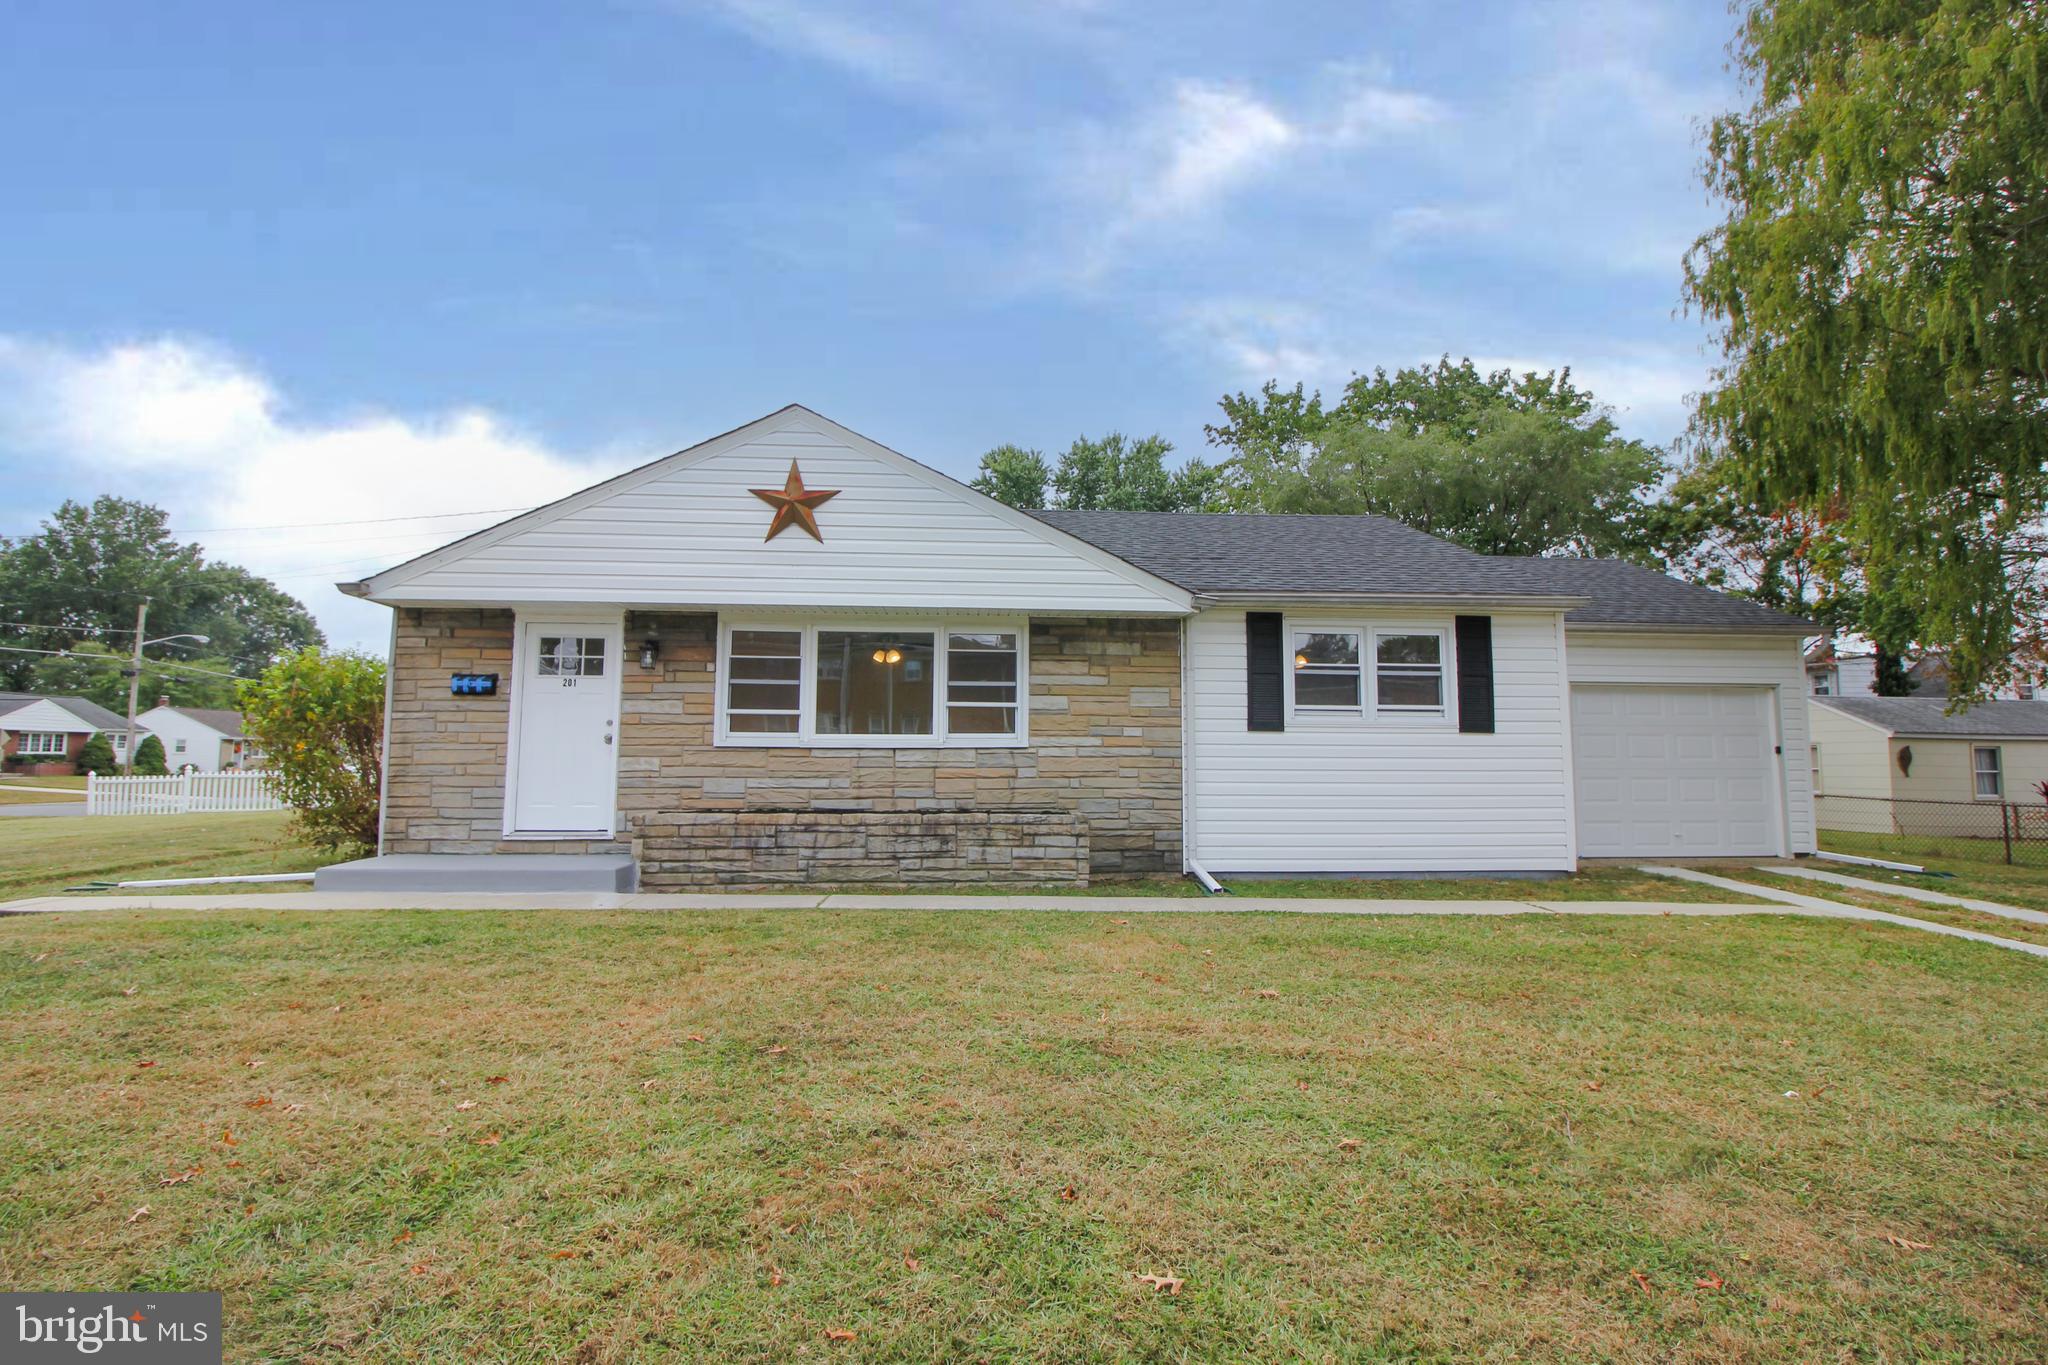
point(568, 682)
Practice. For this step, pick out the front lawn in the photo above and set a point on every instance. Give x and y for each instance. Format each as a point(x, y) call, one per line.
point(551, 1136)
point(1589, 884)
point(39, 857)
point(16, 790)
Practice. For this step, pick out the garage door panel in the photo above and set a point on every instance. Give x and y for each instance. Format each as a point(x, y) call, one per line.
point(1669, 771)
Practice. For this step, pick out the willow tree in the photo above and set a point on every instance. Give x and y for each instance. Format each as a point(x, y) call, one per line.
point(1880, 288)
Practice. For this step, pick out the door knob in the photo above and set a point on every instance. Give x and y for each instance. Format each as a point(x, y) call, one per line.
point(607, 739)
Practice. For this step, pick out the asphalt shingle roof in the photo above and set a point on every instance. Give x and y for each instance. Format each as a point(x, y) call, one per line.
point(91, 712)
point(1926, 716)
point(1625, 594)
point(1371, 556)
point(228, 723)
point(1242, 553)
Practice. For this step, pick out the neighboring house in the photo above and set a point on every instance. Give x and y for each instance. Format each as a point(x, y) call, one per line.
point(791, 654)
point(45, 735)
point(1831, 672)
point(207, 741)
point(1903, 765)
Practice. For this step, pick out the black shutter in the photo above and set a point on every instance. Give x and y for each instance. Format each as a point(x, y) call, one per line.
point(1475, 675)
point(1265, 683)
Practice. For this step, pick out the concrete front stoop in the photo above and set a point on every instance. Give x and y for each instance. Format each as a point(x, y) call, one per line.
point(534, 873)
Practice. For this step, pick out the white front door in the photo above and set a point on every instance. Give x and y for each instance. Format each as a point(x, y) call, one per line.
point(566, 760)
point(1675, 771)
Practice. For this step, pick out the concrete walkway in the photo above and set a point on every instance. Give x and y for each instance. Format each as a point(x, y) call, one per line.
point(1914, 893)
point(1095, 905)
point(1814, 905)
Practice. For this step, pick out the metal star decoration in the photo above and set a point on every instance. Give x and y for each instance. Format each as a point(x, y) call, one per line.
point(793, 503)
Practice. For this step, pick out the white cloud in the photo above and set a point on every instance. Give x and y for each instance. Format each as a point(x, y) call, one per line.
point(1210, 140)
point(805, 30)
point(211, 440)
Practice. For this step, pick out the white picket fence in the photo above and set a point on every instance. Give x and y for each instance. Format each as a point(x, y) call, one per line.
point(185, 794)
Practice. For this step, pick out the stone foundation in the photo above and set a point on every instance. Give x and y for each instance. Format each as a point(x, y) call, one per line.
point(691, 850)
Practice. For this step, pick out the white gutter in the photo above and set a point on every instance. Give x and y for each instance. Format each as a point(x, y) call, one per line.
point(1209, 883)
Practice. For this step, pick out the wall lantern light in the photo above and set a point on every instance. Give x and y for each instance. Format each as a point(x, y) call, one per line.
point(650, 652)
point(1906, 759)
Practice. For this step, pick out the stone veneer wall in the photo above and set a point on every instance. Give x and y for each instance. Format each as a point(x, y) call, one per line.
point(742, 847)
point(1105, 741)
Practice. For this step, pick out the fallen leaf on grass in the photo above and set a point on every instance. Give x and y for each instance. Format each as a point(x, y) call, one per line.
point(1907, 1243)
point(234, 1165)
point(911, 1262)
point(696, 1038)
point(1708, 1282)
point(180, 1178)
point(260, 1102)
point(291, 1109)
point(465, 1106)
point(840, 1334)
point(1164, 1284)
point(131, 990)
point(144, 1066)
point(334, 1009)
point(563, 1255)
point(227, 1138)
point(1070, 1194)
point(777, 1050)
point(496, 1080)
point(649, 1084)
point(1269, 994)
point(1301, 1085)
point(1593, 1085)
point(402, 1237)
point(418, 1268)
point(489, 1140)
point(1642, 1280)
point(1349, 1144)
point(139, 1214)
point(253, 1063)
point(774, 1277)
point(40, 956)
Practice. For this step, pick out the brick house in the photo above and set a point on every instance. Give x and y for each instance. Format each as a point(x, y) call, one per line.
point(45, 735)
point(790, 654)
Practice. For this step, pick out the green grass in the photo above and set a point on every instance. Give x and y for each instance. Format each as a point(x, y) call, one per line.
point(1978, 865)
point(39, 857)
point(1352, 1138)
point(11, 792)
point(1962, 918)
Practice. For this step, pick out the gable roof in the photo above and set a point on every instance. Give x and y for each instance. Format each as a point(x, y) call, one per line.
point(686, 530)
point(1927, 717)
point(1274, 554)
point(88, 712)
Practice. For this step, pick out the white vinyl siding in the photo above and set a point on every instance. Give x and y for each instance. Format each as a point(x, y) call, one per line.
point(689, 533)
point(1677, 660)
point(1351, 791)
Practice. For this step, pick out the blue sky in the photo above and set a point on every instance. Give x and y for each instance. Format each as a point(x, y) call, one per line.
point(277, 264)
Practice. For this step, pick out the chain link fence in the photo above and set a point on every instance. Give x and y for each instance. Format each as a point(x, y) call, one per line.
point(2004, 831)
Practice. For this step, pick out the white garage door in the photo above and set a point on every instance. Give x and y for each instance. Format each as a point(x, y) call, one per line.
point(1670, 771)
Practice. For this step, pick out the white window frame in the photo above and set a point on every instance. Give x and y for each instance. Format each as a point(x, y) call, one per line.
point(1317, 708)
point(41, 748)
point(1444, 710)
point(939, 628)
point(1996, 770)
point(1368, 712)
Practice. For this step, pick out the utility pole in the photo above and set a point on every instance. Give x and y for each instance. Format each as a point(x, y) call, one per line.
point(134, 687)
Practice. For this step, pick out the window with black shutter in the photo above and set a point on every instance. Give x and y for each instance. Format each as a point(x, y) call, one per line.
point(1475, 674)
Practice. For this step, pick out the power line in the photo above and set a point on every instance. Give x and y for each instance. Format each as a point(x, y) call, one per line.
point(158, 664)
point(120, 630)
point(360, 521)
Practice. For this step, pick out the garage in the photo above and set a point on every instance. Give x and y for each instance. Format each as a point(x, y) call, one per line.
point(1669, 771)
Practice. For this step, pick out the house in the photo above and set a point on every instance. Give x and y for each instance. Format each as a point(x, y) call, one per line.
point(1904, 765)
point(45, 735)
point(791, 654)
point(1835, 672)
point(205, 740)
